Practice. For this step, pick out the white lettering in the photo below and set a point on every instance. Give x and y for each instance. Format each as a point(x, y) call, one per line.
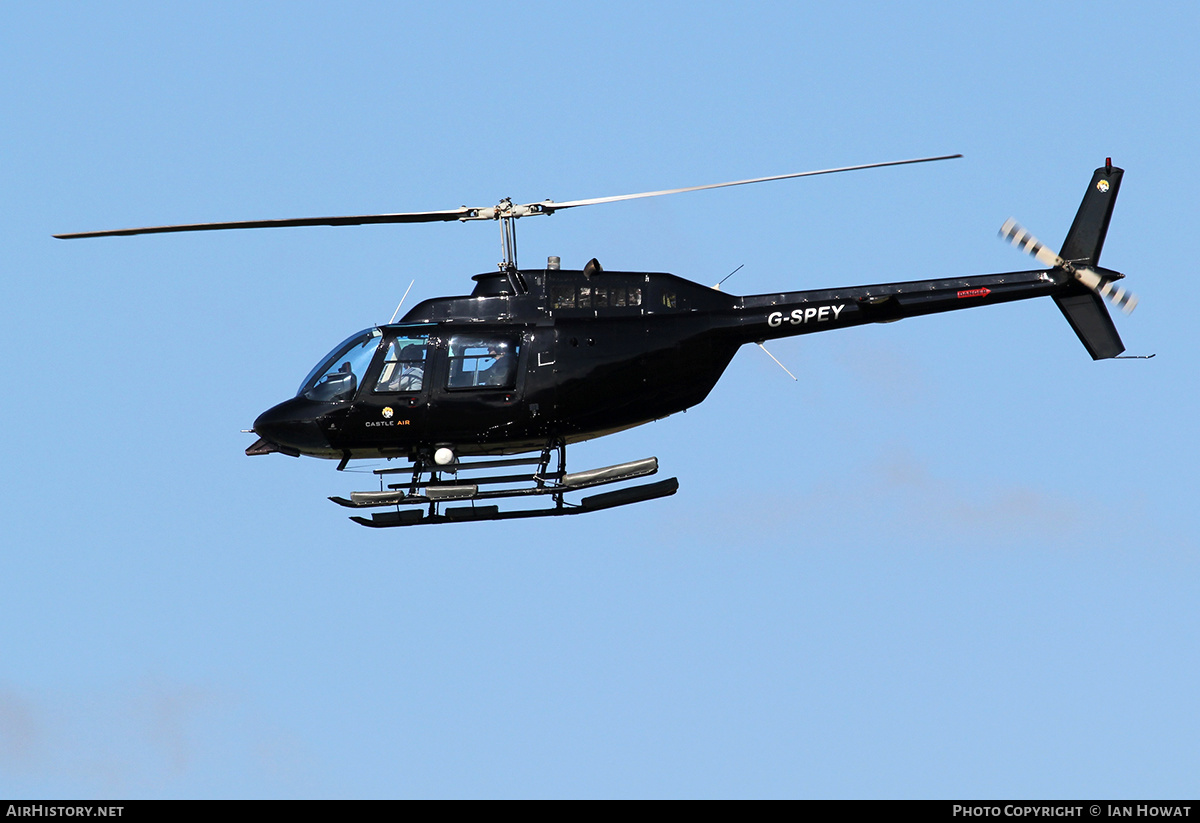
point(38, 810)
point(799, 317)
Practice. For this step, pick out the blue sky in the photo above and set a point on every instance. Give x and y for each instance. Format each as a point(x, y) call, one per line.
point(957, 558)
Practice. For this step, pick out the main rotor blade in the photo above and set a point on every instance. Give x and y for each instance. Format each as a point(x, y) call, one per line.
point(552, 207)
point(503, 210)
point(354, 220)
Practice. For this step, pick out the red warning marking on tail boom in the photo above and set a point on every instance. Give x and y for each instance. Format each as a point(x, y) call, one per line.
point(980, 292)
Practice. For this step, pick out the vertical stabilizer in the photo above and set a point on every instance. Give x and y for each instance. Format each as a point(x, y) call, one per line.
point(1086, 237)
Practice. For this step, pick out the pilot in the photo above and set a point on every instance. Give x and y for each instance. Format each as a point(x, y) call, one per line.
point(412, 368)
point(407, 373)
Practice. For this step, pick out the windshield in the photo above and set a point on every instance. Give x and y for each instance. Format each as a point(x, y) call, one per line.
point(339, 374)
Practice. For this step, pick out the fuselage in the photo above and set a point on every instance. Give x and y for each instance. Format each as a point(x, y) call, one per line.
point(533, 358)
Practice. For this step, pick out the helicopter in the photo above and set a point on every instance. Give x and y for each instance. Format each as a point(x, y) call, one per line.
point(469, 389)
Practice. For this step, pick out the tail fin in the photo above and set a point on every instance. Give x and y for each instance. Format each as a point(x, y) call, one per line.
point(1085, 310)
point(1086, 237)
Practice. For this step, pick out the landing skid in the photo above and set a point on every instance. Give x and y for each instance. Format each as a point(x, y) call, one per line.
point(430, 487)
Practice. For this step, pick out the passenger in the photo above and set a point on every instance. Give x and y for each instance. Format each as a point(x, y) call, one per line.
point(503, 367)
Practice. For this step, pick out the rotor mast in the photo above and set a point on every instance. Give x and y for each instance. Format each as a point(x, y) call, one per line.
point(508, 235)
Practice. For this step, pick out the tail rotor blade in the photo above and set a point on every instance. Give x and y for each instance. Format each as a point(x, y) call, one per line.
point(1013, 232)
point(1123, 299)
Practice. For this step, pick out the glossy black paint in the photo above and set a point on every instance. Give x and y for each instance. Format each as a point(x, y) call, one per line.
point(604, 351)
point(585, 372)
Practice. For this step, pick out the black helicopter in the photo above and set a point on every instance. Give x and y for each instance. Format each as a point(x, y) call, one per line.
point(536, 359)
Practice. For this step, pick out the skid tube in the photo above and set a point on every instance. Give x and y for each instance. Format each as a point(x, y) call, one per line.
point(432, 493)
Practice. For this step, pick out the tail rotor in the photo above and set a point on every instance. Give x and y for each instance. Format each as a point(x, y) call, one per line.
point(1120, 297)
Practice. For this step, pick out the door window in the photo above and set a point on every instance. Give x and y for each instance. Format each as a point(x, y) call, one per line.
point(483, 361)
point(404, 365)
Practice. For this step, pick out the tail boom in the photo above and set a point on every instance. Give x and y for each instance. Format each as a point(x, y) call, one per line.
point(769, 316)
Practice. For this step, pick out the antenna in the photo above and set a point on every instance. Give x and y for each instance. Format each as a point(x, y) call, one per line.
point(776, 359)
point(401, 303)
point(726, 277)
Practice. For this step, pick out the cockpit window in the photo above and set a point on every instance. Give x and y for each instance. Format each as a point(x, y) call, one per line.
point(404, 365)
point(483, 362)
point(337, 377)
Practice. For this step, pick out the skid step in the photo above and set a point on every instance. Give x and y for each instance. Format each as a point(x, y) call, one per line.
point(611, 474)
point(363, 500)
point(461, 492)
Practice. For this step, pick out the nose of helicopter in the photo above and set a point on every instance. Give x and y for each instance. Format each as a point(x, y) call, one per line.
point(292, 426)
